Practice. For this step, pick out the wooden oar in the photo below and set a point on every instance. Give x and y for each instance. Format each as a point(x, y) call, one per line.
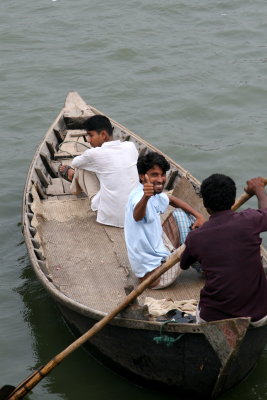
point(11, 393)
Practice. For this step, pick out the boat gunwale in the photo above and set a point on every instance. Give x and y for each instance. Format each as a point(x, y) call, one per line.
point(44, 279)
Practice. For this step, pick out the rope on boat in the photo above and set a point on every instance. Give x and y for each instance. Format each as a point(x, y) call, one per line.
point(165, 339)
point(71, 141)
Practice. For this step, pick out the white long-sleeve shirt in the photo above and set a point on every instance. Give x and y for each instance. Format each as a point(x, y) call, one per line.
point(115, 166)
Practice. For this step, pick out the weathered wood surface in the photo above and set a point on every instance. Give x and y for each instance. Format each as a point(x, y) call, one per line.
point(72, 146)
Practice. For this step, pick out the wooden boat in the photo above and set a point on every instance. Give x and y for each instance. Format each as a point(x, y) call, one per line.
point(83, 265)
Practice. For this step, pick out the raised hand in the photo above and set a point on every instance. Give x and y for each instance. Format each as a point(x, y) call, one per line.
point(148, 187)
point(254, 185)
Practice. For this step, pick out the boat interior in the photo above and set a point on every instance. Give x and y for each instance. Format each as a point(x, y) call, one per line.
point(85, 260)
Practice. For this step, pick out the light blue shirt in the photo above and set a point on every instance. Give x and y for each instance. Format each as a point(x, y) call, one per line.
point(143, 238)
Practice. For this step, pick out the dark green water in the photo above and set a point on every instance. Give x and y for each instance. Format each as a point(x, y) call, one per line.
point(189, 77)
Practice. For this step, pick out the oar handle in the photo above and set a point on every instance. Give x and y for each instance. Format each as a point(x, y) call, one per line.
point(243, 198)
point(240, 201)
point(27, 385)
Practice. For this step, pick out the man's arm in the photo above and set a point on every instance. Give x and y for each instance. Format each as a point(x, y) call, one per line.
point(256, 186)
point(178, 203)
point(140, 208)
point(83, 160)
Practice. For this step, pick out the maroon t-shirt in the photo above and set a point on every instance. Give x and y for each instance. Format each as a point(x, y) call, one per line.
point(228, 249)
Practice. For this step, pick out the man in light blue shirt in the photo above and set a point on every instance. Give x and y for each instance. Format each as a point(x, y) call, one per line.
point(143, 230)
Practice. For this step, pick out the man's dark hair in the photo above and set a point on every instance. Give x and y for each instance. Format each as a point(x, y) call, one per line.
point(98, 123)
point(218, 192)
point(146, 162)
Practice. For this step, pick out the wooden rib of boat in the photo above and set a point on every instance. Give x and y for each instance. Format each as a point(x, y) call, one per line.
point(83, 265)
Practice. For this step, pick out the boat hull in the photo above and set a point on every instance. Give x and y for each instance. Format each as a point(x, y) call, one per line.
point(189, 366)
point(88, 280)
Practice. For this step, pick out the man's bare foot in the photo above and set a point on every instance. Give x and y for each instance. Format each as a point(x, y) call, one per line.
point(66, 172)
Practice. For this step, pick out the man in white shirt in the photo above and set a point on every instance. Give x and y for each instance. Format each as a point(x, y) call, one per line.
point(106, 173)
point(143, 230)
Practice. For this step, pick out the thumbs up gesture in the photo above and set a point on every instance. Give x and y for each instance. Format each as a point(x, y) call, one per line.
point(148, 187)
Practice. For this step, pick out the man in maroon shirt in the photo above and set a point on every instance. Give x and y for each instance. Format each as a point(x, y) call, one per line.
point(228, 249)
